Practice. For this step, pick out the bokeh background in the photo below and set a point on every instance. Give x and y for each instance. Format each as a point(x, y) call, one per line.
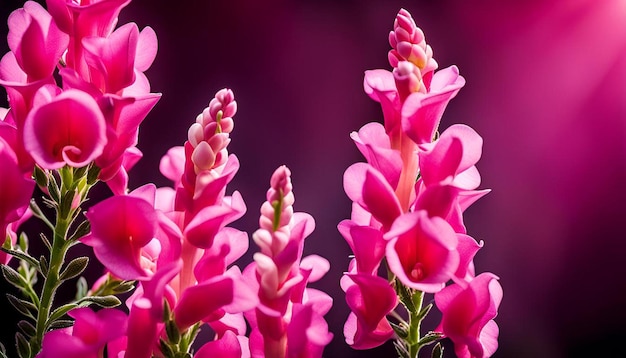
point(546, 88)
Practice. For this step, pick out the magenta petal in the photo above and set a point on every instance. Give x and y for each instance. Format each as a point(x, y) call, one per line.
point(359, 338)
point(172, 164)
point(367, 187)
point(371, 298)
point(421, 112)
point(36, 40)
point(451, 159)
point(142, 330)
point(422, 251)
point(200, 301)
point(227, 347)
point(114, 57)
point(70, 129)
point(15, 188)
point(118, 246)
point(60, 344)
point(467, 313)
point(147, 47)
point(373, 143)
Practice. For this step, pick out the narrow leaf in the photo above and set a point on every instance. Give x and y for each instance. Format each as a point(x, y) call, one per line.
point(103, 301)
point(430, 338)
point(60, 312)
point(21, 255)
point(23, 347)
point(74, 268)
point(27, 327)
point(24, 307)
point(13, 277)
point(41, 178)
point(83, 229)
point(62, 323)
point(437, 351)
point(66, 203)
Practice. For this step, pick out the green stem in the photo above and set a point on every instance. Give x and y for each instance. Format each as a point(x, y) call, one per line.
point(414, 324)
point(51, 282)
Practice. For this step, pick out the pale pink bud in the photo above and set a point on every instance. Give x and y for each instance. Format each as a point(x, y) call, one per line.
point(195, 134)
point(203, 156)
point(408, 78)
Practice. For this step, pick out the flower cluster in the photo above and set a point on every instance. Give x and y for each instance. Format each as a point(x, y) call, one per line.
point(172, 245)
point(78, 94)
point(408, 204)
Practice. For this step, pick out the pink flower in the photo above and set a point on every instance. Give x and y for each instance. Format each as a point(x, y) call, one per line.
point(227, 346)
point(370, 298)
point(451, 159)
point(422, 251)
point(35, 40)
point(367, 187)
point(119, 246)
point(16, 188)
point(87, 338)
point(112, 59)
point(69, 129)
point(468, 314)
point(422, 112)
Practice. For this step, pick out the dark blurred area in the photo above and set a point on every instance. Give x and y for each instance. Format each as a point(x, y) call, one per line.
point(546, 88)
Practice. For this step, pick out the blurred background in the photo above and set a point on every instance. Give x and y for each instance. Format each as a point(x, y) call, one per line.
point(546, 88)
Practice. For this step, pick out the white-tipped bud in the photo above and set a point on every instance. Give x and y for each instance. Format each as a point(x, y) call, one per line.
point(195, 134)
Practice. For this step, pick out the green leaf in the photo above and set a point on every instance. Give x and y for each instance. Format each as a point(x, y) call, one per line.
point(45, 240)
point(3, 351)
point(60, 312)
point(103, 301)
point(13, 277)
point(43, 265)
point(62, 323)
point(27, 327)
point(123, 287)
point(23, 347)
point(166, 349)
point(24, 307)
point(173, 334)
point(41, 178)
point(401, 349)
point(437, 351)
point(22, 242)
point(74, 268)
point(22, 256)
point(66, 203)
point(402, 330)
point(53, 190)
point(424, 312)
point(83, 229)
point(430, 338)
point(80, 172)
point(92, 175)
point(183, 355)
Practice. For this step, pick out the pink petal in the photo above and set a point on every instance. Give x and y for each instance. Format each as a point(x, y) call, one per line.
point(118, 246)
point(70, 129)
point(367, 187)
point(422, 251)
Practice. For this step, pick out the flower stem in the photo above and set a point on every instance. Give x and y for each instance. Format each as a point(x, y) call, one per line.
point(414, 324)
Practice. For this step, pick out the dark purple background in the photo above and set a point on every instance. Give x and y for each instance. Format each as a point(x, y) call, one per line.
point(546, 88)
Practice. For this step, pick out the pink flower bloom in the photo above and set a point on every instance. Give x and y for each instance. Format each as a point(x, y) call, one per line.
point(87, 338)
point(370, 298)
point(119, 246)
point(367, 187)
point(422, 112)
point(422, 251)
point(36, 41)
point(70, 129)
point(228, 346)
point(451, 159)
point(16, 188)
point(89, 18)
point(112, 59)
point(367, 244)
point(468, 314)
point(373, 143)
